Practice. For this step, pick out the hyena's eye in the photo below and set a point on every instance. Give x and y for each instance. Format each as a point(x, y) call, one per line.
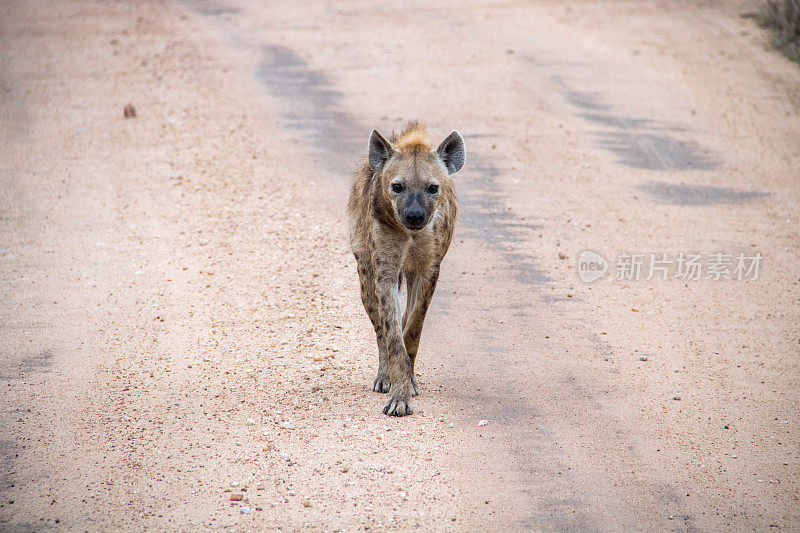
point(397, 187)
point(433, 189)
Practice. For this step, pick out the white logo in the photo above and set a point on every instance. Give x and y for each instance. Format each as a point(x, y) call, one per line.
point(591, 266)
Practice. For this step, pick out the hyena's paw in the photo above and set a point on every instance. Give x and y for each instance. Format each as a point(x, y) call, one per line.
point(399, 403)
point(414, 387)
point(381, 383)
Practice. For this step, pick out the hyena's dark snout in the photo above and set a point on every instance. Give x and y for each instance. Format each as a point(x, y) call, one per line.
point(415, 216)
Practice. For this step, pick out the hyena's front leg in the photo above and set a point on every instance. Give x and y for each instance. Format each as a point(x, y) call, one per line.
point(399, 365)
point(366, 275)
point(420, 291)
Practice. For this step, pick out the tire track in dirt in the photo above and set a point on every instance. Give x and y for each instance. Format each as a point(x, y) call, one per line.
point(639, 142)
point(313, 107)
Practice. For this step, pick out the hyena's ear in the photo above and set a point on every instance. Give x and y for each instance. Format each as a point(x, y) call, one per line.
point(452, 152)
point(379, 150)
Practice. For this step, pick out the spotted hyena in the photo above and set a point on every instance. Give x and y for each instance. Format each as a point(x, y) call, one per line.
point(402, 212)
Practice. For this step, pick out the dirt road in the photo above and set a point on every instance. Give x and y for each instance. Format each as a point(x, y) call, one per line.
point(180, 321)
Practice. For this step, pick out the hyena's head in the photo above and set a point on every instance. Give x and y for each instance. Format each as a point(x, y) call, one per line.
point(415, 178)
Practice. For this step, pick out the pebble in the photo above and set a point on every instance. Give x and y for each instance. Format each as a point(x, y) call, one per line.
point(643, 358)
point(483, 423)
point(244, 510)
point(676, 397)
point(237, 497)
point(129, 111)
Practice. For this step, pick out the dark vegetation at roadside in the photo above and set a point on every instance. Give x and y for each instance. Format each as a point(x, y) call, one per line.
point(782, 18)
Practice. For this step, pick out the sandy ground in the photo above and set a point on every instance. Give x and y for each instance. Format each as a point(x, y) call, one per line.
point(179, 311)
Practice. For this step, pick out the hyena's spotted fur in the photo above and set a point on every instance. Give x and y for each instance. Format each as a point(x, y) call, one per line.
point(402, 213)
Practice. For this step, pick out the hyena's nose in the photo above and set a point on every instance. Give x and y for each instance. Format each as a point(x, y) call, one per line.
point(415, 217)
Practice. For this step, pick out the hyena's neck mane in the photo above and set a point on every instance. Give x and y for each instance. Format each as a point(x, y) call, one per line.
point(413, 137)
